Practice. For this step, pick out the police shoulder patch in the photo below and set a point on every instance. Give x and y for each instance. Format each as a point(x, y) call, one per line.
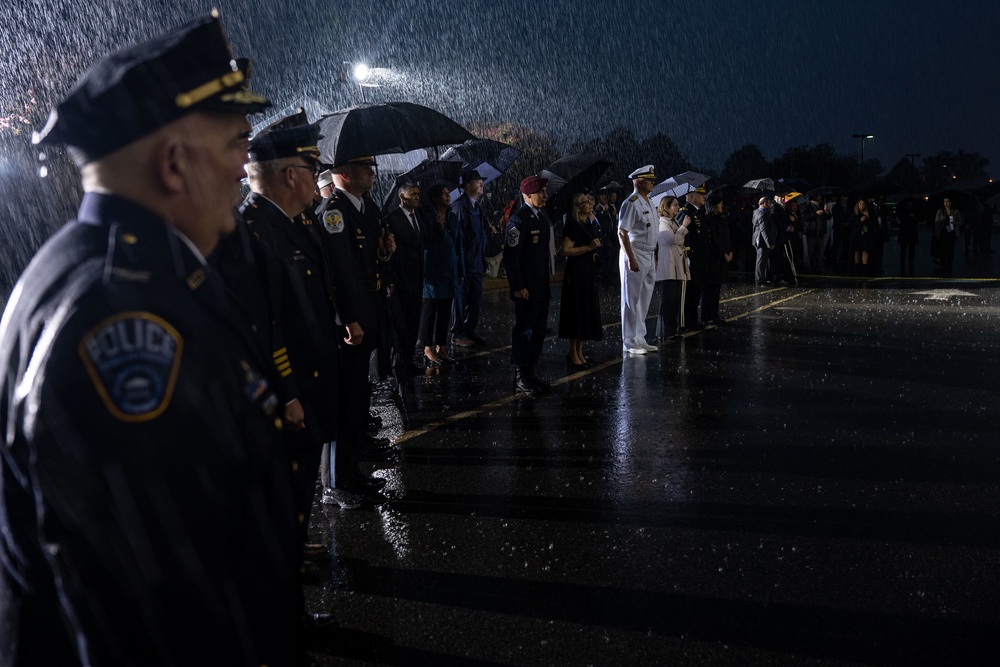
point(513, 237)
point(633, 198)
point(333, 221)
point(133, 359)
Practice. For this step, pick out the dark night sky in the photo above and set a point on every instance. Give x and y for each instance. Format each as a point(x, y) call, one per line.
point(713, 75)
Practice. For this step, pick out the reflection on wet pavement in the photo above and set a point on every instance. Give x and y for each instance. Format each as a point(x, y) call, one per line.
point(815, 483)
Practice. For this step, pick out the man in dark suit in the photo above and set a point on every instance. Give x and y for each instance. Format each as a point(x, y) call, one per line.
point(472, 227)
point(764, 239)
point(407, 268)
point(526, 260)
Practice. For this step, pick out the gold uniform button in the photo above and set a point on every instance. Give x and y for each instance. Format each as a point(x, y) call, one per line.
point(315, 374)
point(295, 466)
point(302, 518)
point(309, 272)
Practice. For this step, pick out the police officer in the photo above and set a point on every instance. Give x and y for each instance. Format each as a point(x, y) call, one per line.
point(638, 226)
point(141, 451)
point(526, 260)
point(286, 276)
point(350, 215)
point(699, 248)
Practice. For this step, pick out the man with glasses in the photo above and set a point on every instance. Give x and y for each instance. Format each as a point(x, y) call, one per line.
point(283, 283)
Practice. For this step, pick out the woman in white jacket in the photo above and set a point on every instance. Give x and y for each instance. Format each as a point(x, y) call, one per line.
point(671, 267)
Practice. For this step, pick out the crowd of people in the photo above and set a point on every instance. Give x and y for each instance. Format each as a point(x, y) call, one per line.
point(180, 375)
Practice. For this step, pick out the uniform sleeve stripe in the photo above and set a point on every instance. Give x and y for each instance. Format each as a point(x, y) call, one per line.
point(280, 353)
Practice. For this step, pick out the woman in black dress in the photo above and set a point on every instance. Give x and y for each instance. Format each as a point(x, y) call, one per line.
point(443, 271)
point(580, 309)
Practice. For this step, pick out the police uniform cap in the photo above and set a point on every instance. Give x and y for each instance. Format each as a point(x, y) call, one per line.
point(284, 139)
point(699, 190)
point(644, 172)
point(368, 160)
point(532, 184)
point(468, 176)
point(136, 91)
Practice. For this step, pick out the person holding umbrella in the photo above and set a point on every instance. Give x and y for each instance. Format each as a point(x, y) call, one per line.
point(526, 259)
point(637, 230)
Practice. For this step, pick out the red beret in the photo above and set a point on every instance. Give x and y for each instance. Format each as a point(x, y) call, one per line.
point(533, 184)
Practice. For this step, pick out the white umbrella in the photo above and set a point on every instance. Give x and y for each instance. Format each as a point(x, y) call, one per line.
point(761, 184)
point(677, 186)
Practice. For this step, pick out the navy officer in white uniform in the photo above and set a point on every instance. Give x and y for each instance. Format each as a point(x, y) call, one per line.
point(637, 229)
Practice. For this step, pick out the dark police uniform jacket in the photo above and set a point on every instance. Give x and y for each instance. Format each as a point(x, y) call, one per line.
point(304, 309)
point(351, 239)
point(138, 424)
point(526, 252)
point(699, 241)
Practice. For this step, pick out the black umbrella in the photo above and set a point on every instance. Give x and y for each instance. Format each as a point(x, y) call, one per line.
point(569, 175)
point(490, 158)
point(394, 127)
point(424, 174)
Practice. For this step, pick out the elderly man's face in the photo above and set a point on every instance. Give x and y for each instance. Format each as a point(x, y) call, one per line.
point(644, 185)
point(474, 189)
point(537, 199)
point(215, 145)
point(696, 198)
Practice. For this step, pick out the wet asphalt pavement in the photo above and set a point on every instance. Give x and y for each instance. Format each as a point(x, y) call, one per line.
point(816, 483)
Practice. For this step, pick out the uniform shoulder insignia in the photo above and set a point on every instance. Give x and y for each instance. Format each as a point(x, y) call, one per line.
point(333, 221)
point(513, 236)
point(633, 198)
point(133, 359)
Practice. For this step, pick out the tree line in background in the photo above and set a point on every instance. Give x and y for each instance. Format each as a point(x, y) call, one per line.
point(820, 165)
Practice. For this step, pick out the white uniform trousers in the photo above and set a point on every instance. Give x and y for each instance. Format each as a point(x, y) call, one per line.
point(637, 293)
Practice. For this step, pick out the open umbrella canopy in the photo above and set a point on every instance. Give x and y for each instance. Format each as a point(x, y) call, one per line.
point(760, 185)
point(394, 127)
point(490, 158)
point(677, 186)
point(571, 174)
point(425, 174)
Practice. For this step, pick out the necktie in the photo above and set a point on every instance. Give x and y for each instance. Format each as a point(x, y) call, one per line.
point(413, 223)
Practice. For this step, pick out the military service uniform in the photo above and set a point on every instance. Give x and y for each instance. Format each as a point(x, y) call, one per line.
point(638, 218)
point(526, 260)
point(699, 250)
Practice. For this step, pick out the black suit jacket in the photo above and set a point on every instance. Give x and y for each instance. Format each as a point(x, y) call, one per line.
point(407, 263)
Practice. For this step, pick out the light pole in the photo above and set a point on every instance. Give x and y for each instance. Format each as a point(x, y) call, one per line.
point(862, 137)
point(360, 74)
point(913, 157)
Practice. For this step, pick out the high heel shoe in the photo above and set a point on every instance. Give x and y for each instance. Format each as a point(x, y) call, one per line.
point(574, 366)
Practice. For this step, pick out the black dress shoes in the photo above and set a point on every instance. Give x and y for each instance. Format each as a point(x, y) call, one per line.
point(522, 385)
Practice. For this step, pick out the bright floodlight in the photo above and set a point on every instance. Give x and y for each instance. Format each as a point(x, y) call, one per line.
point(361, 72)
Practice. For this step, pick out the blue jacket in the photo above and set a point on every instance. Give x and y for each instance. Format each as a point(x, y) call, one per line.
point(473, 236)
point(442, 255)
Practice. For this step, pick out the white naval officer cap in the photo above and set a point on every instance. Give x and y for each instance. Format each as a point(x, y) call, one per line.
point(325, 178)
point(643, 172)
